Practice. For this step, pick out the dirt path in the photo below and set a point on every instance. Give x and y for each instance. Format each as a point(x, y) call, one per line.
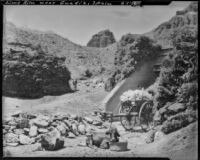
point(144, 76)
point(82, 102)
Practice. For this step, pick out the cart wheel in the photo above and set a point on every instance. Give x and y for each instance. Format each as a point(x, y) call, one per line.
point(146, 116)
point(127, 122)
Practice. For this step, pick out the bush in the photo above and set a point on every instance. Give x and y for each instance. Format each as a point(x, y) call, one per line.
point(178, 121)
point(88, 73)
point(167, 63)
point(187, 90)
point(109, 84)
point(131, 50)
point(33, 76)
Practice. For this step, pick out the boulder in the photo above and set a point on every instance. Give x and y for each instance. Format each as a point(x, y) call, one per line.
point(157, 116)
point(52, 141)
point(22, 123)
point(44, 117)
point(74, 129)
point(51, 128)
point(105, 144)
point(82, 128)
point(41, 122)
point(71, 135)
point(38, 138)
point(162, 110)
point(176, 107)
point(26, 131)
point(4, 131)
point(97, 123)
point(150, 136)
point(30, 116)
point(23, 139)
point(158, 135)
point(88, 119)
point(12, 127)
point(10, 131)
point(6, 127)
point(33, 131)
point(68, 123)
point(12, 123)
point(43, 130)
point(17, 113)
point(54, 124)
point(11, 138)
point(74, 116)
point(62, 130)
point(60, 117)
point(89, 129)
point(7, 119)
point(18, 131)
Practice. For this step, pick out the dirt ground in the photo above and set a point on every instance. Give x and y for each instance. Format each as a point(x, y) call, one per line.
point(179, 145)
point(82, 102)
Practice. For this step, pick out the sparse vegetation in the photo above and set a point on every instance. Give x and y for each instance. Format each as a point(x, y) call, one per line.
point(178, 121)
point(132, 49)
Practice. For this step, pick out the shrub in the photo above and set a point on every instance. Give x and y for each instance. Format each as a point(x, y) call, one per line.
point(178, 121)
point(167, 63)
point(88, 73)
point(187, 90)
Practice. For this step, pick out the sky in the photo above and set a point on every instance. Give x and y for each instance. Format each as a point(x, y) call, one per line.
point(79, 23)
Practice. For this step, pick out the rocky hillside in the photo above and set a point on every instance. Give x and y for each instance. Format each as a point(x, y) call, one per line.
point(186, 18)
point(102, 39)
point(133, 47)
point(176, 89)
point(30, 73)
point(132, 50)
point(79, 59)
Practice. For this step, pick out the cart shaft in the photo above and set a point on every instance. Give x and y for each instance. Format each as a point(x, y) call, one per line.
point(122, 115)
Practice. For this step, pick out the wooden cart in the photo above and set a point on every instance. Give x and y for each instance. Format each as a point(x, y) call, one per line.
point(137, 116)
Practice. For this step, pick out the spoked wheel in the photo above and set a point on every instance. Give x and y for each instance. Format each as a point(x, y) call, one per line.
point(146, 116)
point(127, 122)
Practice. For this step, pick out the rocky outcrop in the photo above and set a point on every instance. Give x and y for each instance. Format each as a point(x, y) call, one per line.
point(102, 39)
point(31, 75)
point(186, 18)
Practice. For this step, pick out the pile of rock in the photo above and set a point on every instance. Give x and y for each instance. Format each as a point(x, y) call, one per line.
point(49, 130)
point(95, 83)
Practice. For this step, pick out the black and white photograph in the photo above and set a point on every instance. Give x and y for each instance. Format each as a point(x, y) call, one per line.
point(100, 80)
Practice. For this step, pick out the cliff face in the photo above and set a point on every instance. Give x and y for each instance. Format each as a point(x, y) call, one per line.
point(165, 32)
point(102, 39)
point(30, 73)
